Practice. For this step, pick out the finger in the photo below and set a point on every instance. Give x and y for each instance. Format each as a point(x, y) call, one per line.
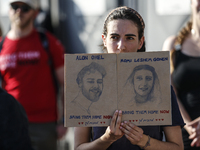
point(133, 138)
point(198, 129)
point(193, 135)
point(194, 142)
point(198, 126)
point(128, 128)
point(113, 121)
point(132, 130)
point(119, 119)
point(198, 143)
point(137, 131)
point(194, 122)
point(193, 130)
point(128, 134)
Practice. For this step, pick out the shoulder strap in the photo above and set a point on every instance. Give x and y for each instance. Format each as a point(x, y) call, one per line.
point(45, 44)
point(177, 48)
point(44, 40)
point(1, 43)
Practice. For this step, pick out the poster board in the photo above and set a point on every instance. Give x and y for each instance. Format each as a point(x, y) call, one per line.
point(98, 84)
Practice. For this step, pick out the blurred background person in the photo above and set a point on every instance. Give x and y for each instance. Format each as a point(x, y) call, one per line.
point(26, 73)
point(13, 125)
point(43, 20)
point(185, 71)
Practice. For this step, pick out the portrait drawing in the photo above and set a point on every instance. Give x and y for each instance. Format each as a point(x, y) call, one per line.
point(142, 87)
point(90, 83)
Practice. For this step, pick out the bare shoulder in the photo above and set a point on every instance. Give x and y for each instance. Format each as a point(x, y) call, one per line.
point(169, 43)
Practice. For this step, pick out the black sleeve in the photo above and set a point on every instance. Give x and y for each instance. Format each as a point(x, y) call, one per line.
point(13, 125)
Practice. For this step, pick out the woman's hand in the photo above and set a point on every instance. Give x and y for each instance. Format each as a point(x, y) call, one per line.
point(113, 131)
point(195, 132)
point(133, 133)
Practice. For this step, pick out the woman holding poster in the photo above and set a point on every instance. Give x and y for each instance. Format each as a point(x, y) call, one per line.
point(185, 56)
point(124, 32)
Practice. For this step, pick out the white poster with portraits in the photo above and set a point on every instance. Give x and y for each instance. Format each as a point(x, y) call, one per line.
point(98, 84)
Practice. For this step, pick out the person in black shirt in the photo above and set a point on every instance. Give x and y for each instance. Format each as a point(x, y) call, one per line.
point(13, 125)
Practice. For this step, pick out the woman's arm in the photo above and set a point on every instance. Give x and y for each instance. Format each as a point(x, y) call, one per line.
point(135, 135)
point(193, 131)
point(113, 133)
point(185, 116)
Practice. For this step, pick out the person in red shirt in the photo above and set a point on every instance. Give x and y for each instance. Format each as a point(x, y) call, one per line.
point(26, 73)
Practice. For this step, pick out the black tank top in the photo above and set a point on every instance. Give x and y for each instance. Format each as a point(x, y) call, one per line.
point(186, 79)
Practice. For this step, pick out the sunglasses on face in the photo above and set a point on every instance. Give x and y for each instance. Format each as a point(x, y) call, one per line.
point(24, 8)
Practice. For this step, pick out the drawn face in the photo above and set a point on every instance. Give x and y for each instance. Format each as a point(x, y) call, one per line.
point(143, 82)
point(92, 85)
point(122, 36)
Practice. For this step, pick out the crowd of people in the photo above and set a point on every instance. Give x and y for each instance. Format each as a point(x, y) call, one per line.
point(29, 112)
